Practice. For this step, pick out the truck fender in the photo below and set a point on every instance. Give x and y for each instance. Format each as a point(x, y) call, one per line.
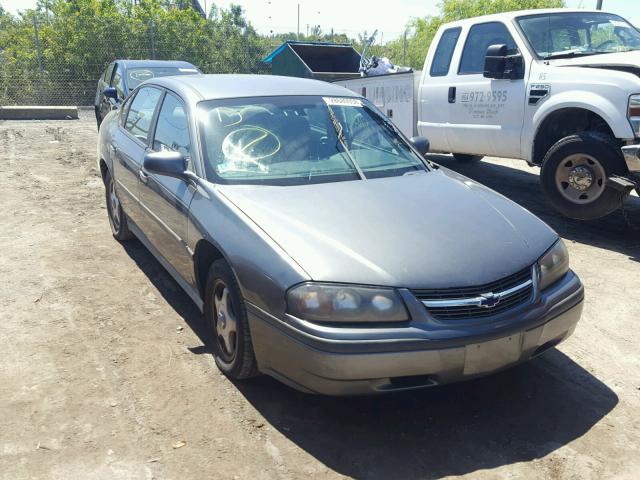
point(590, 101)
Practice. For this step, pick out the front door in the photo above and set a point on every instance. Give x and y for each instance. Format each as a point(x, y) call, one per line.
point(485, 115)
point(165, 200)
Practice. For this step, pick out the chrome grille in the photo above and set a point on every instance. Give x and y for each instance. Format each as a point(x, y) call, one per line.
point(466, 302)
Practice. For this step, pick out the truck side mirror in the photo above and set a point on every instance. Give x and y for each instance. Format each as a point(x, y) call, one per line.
point(499, 64)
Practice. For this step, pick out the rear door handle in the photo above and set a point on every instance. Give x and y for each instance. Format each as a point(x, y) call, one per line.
point(452, 94)
point(144, 178)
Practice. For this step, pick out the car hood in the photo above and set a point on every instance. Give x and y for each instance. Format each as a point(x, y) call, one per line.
point(429, 230)
point(611, 60)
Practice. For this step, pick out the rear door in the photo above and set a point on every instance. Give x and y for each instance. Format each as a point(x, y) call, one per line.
point(165, 200)
point(434, 93)
point(486, 115)
point(129, 146)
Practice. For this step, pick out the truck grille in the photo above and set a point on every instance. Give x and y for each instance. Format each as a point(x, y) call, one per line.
point(479, 302)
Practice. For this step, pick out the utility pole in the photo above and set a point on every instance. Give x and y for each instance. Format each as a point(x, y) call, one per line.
point(599, 5)
point(39, 53)
point(404, 48)
point(298, 35)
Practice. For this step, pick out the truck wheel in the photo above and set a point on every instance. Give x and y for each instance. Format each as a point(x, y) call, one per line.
point(575, 172)
point(467, 158)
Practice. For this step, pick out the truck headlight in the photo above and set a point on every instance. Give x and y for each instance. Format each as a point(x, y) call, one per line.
point(634, 113)
point(553, 264)
point(324, 302)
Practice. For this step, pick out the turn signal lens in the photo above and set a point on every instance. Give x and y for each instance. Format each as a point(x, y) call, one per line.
point(634, 113)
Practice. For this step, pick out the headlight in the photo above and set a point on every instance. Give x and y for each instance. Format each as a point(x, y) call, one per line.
point(634, 113)
point(553, 264)
point(319, 302)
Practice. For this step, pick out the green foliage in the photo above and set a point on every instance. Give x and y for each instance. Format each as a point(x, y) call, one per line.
point(78, 39)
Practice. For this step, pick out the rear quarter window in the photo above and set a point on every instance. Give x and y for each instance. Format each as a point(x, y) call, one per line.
point(444, 52)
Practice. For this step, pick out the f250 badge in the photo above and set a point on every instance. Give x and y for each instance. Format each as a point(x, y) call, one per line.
point(537, 91)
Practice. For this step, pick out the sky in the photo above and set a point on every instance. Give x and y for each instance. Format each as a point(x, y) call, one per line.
point(352, 16)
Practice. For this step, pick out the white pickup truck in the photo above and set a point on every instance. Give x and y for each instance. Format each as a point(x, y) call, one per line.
point(558, 88)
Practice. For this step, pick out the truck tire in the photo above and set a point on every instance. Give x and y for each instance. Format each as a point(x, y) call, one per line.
point(467, 158)
point(575, 172)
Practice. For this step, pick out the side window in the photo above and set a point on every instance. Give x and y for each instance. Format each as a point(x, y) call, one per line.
point(107, 74)
point(442, 58)
point(124, 109)
point(118, 82)
point(172, 130)
point(141, 112)
point(481, 37)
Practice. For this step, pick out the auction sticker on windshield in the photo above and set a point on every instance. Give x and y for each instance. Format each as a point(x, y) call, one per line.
point(343, 101)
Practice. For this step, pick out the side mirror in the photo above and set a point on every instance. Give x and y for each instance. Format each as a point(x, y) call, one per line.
point(110, 92)
point(421, 144)
point(499, 65)
point(166, 162)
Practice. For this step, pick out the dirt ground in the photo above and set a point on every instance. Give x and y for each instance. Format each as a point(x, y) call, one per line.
point(104, 374)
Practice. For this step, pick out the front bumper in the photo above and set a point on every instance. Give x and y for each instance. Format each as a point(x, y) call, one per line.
point(631, 155)
point(318, 363)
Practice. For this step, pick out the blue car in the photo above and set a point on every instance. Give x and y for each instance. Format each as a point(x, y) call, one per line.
point(122, 76)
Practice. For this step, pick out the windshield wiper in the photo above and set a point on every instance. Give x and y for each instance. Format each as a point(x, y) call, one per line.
point(337, 126)
point(554, 56)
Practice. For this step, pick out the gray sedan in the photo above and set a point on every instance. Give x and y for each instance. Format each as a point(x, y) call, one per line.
point(320, 245)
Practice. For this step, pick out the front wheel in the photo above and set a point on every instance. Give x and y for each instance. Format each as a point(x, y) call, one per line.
point(467, 158)
point(575, 172)
point(226, 318)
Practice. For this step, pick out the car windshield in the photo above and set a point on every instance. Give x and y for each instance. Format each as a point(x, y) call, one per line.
point(564, 35)
point(135, 76)
point(294, 140)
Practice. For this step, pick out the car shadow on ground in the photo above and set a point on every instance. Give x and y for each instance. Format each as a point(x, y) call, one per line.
point(517, 415)
point(612, 232)
point(168, 288)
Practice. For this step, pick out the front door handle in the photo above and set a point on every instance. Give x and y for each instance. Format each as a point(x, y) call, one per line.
point(144, 178)
point(452, 94)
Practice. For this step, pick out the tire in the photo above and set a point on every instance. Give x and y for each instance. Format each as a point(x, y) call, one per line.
point(226, 318)
point(574, 175)
point(467, 158)
point(117, 218)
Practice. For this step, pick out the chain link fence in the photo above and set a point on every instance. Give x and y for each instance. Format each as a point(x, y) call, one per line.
point(63, 68)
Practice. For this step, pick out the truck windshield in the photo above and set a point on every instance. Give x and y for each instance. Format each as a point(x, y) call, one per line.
point(565, 35)
point(295, 140)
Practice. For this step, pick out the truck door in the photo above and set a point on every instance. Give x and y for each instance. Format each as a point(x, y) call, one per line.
point(485, 115)
point(434, 91)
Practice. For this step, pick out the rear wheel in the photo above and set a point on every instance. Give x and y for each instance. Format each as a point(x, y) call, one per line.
point(575, 172)
point(117, 217)
point(467, 158)
point(226, 317)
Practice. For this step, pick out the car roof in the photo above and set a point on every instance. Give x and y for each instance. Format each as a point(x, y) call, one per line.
point(212, 87)
point(518, 13)
point(153, 63)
